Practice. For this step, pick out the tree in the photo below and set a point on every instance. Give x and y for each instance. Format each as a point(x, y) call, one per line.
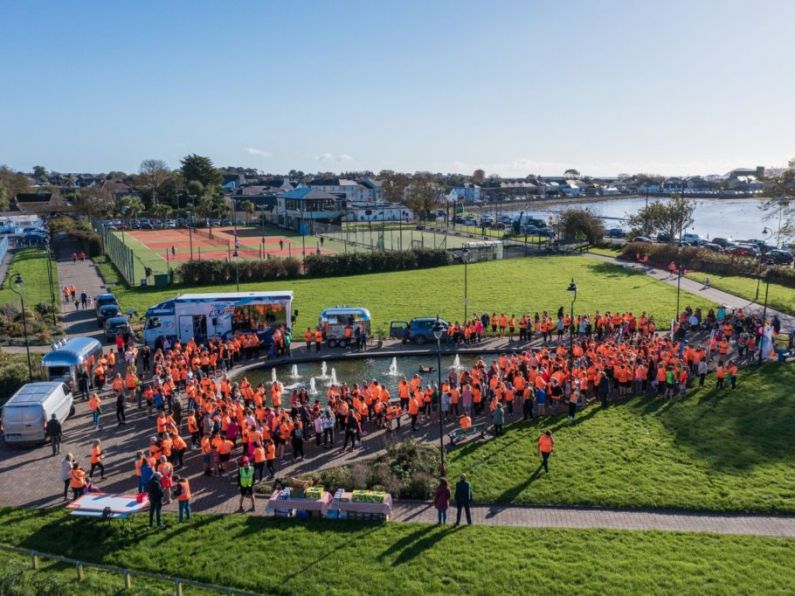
point(422, 195)
point(95, 201)
point(40, 174)
point(248, 207)
point(11, 184)
point(393, 185)
point(780, 208)
point(201, 169)
point(131, 207)
point(571, 173)
point(155, 172)
point(670, 218)
point(579, 224)
point(478, 176)
point(162, 211)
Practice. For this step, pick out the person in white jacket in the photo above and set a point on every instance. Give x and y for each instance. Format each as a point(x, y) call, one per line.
point(66, 468)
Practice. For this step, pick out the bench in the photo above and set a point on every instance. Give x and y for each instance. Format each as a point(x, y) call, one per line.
point(462, 433)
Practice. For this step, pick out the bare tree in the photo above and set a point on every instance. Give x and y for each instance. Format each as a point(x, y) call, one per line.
point(155, 172)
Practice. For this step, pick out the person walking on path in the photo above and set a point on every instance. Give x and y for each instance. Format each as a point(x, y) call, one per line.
point(441, 500)
point(66, 469)
point(463, 499)
point(55, 432)
point(154, 491)
point(96, 460)
point(545, 446)
point(121, 417)
point(498, 417)
point(246, 482)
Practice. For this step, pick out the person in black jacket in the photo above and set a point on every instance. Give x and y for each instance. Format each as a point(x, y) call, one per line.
point(55, 432)
point(463, 499)
point(154, 491)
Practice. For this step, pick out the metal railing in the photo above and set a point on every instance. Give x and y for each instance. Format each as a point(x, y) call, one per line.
point(127, 574)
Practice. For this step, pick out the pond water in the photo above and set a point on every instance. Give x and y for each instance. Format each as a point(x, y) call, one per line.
point(357, 370)
point(739, 219)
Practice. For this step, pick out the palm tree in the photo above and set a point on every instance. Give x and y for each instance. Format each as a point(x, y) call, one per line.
point(162, 211)
point(131, 207)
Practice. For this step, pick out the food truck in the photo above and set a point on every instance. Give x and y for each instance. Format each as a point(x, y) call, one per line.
point(218, 315)
point(340, 323)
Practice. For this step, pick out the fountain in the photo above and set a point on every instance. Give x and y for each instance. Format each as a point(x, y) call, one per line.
point(393, 369)
point(457, 363)
point(323, 368)
point(332, 378)
point(312, 386)
point(294, 372)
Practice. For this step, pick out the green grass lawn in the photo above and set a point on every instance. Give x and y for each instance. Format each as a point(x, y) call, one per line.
point(31, 263)
point(514, 286)
point(605, 252)
point(278, 556)
point(18, 577)
point(716, 450)
point(780, 297)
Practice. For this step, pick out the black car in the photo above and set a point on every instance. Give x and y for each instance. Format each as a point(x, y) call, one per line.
point(615, 233)
point(778, 257)
point(722, 242)
point(107, 312)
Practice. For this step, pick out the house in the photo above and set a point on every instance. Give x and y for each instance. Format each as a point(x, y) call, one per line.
point(572, 188)
point(468, 193)
point(307, 203)
point(42, 203)
point(353, 192)
point(118, 188)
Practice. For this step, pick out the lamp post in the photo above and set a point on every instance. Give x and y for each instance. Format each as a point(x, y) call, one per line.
point(679, 270)
point(763, 272)
point(573, 289)
point(465, 257)
point(48, 246)
point(18, 283)
point(438, 330)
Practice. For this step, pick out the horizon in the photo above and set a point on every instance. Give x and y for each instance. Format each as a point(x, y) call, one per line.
point(514, 88)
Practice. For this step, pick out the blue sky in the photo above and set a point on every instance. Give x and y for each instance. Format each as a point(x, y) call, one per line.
point(520, 87)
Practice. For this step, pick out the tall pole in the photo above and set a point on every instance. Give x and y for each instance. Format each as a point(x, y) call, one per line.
point(24, 324)
point(438, 335)
point(678, 288)
point(50, 276)
point(190, 241)
point(764, 318)
point(466, 261)
point(572, 288)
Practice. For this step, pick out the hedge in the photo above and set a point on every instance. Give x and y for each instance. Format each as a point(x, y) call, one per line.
point(701, 259)
point(212, 272)
point(14, 372)
point(374, 262)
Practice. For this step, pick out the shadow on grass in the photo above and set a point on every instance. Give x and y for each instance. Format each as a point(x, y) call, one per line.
point(416, 543)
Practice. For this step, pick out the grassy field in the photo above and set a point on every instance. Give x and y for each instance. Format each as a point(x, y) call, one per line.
point(605, 252)
point(780, 297)
point(31, 263)
point(278, 556)
point(513, 286)
point(716, 450)
point(18, 578)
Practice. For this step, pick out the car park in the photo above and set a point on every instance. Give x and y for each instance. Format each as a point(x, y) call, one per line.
point(418, 330)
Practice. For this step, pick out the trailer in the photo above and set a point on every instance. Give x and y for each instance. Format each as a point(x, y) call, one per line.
point(218, 315)
point(341, 323)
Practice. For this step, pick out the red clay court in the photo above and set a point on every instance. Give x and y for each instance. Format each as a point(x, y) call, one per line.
point(221, 246)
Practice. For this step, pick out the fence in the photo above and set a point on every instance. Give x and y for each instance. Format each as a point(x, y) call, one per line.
point(120, 254)
point(127, 574)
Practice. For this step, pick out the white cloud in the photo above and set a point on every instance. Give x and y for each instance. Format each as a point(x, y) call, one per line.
point(257, 152)
point(339, 158)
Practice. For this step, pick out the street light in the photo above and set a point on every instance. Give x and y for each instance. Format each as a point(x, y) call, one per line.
point(763, 272)
point(438, 330)
point(572, 288)
point(465, 257)
point(18, 283)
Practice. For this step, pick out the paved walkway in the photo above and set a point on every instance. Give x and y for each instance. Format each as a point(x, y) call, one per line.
point(697, 288)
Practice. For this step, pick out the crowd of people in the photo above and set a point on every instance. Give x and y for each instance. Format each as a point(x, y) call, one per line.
point(251, 431)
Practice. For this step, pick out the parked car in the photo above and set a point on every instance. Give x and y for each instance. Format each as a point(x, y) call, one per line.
point(778, 257)
point(744, 250)
point(615, 233)
point(712, 246)
point(642, 239)
point(723, 242)
point(663, 237)
point(25, 415)
point(691, 238)
point(118, 325)
point(107, 312)
point(418, 330)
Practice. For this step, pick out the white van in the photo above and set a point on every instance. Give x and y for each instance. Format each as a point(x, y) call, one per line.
point(25, 415)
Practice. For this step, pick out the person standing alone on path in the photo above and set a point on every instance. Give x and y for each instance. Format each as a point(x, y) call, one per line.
point(55, 432)
point(66, 469)
point(441, 500)
point(154, 491)
point(545, 446)
point(463, 499)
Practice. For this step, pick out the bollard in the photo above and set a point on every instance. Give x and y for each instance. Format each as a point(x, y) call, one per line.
point(35, 562)
point(81, 574)
point(127, 580)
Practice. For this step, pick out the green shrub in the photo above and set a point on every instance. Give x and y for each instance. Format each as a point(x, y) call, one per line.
point(370, 262)
point(421, 486)
point(334, 478)
point(14, 372)
point(210, 272)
